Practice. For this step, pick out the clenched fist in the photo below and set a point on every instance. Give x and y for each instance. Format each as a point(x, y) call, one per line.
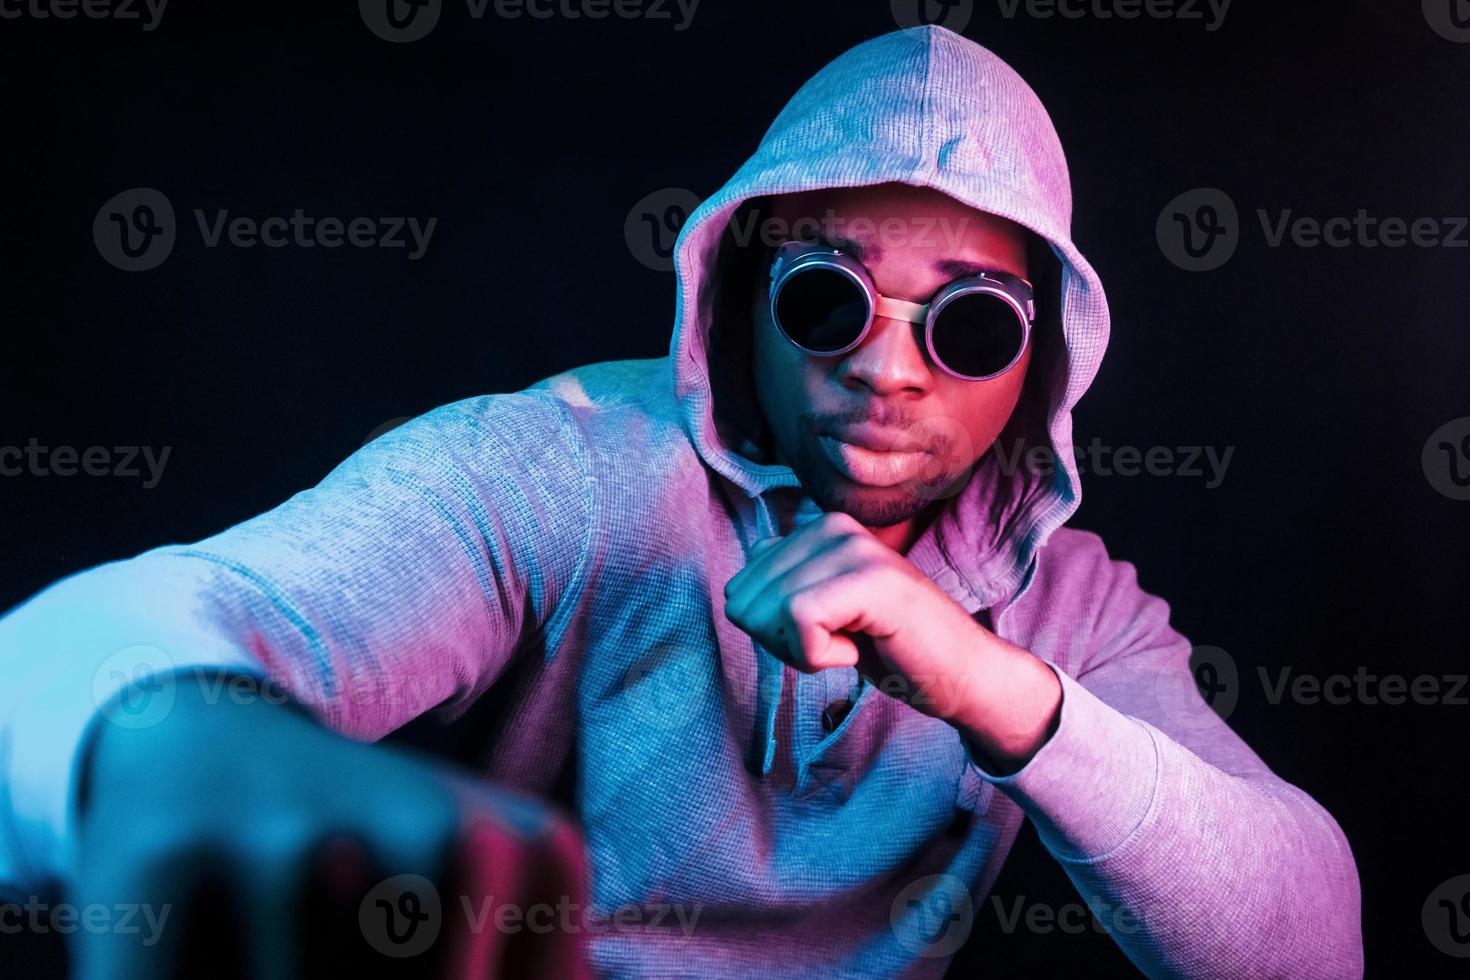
point(831, 594)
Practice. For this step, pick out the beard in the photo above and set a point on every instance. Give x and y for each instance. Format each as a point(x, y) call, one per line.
point(943, 476)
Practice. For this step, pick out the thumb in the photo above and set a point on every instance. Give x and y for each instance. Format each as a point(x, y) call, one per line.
point(821, 649)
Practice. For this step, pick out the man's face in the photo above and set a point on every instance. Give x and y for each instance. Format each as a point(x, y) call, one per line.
point(912, 242)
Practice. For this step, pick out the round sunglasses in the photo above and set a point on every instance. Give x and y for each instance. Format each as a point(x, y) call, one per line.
point(975, 328)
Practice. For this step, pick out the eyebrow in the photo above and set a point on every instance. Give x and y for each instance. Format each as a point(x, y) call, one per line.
point(867, 253)
point(958, 268)
point(862, 251)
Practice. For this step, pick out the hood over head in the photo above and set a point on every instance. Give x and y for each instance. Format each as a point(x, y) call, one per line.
point(927, 107)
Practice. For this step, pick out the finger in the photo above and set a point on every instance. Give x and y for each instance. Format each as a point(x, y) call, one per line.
point(835, 649)
point(767, 617)
point(807, 539)
point(522, 885)
point(276, 866)
point(783, 571)
point(825, 617)
point(753, 565)
point(184, 900)
point(332, 939)
point(405, 913)
point(762, 545)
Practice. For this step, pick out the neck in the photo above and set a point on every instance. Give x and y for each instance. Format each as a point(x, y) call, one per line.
point(901, 537)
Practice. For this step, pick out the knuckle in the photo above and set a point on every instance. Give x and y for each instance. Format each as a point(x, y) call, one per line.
point(400, 822)
point(838, 521)
point(158, 865)
point(276, 837)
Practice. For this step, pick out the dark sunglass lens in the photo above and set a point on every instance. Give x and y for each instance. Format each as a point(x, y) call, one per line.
point(978, 334)
point(821, 309)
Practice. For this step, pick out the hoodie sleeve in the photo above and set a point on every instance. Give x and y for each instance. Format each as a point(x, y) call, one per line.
point(1193, 855)
point(402, 583)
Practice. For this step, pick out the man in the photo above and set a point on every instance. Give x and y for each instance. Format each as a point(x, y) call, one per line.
point(811, 645)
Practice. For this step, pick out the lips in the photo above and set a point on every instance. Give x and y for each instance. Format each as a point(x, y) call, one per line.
point(874, 468)
point(876, 439)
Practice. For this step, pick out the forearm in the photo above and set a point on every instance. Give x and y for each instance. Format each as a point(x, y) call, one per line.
point(65, 654)
point(1193, 871)
point(1008, 702)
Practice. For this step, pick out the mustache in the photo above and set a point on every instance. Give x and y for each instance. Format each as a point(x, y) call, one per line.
point(932, 439)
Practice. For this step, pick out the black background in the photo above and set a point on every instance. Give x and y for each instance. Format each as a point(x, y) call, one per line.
point(1325, 549)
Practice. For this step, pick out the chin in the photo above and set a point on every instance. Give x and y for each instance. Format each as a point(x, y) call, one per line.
point(870, 506)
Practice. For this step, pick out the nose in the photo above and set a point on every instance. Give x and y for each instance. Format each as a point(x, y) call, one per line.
point(891, 360)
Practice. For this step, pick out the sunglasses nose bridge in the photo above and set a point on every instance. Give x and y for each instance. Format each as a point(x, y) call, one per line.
point(899, 309)
point(892, 355)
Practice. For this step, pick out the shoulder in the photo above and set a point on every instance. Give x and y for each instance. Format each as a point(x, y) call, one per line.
point(1075, 566)
point(1083, 603)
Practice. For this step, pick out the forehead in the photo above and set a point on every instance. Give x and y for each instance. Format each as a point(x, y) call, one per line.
point(885, 210)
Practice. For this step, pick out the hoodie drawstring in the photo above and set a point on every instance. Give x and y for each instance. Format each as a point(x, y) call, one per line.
point(770, 669)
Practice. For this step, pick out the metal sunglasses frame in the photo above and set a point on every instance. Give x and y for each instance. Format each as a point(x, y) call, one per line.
point(795, 256)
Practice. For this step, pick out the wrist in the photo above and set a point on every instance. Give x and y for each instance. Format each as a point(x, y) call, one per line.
point(1011, 706)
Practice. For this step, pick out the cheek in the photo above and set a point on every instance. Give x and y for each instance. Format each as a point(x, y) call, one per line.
point(987, 405)
point(780, 373)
